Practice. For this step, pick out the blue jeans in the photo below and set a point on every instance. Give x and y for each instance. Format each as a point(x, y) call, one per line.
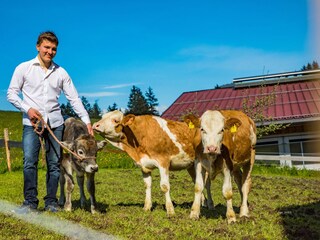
point(31, 148)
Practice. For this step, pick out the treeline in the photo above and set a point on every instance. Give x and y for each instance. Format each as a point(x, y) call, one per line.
point(138, 104)
point(310, 66)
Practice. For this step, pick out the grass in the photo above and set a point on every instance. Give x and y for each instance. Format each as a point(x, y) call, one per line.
point(284, 202)
point(282, 207)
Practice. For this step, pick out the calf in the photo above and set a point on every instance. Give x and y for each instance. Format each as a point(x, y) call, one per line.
point(228, 141)
point(152, 142)
point(77, 139)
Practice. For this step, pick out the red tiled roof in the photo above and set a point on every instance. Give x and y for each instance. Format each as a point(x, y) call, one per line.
point(294, 100)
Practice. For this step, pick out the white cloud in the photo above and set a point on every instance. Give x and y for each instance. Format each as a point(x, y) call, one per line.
point(121, 85)
point(100, 94)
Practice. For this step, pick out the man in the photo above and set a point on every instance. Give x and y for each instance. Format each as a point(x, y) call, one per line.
point(41, 82)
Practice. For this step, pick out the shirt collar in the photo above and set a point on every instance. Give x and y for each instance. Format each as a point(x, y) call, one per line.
point(36, 61)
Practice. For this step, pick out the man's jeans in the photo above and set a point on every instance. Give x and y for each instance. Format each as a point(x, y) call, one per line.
point(31, 148)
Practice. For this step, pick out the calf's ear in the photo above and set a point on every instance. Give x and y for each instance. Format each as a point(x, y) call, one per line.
point(68, 144)
point(232, 123)
point(101, 144)
point(128, 119)
point(192, 121)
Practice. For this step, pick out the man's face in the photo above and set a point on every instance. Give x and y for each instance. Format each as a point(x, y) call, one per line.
point(47, 50)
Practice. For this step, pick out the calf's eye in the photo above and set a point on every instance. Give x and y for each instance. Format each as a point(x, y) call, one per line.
point(80, 152)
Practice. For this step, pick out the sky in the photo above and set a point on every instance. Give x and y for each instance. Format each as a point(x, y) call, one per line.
point(172, 46)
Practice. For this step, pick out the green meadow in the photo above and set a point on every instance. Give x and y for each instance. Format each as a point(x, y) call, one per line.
point(284, 202)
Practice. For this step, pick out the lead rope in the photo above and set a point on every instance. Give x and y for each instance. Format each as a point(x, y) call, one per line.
point(43, 124)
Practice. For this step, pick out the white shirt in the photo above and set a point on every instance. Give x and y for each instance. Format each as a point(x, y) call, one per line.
point(41, 90)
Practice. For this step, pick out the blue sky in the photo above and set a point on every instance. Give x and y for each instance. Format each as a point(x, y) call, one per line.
point(170, 46)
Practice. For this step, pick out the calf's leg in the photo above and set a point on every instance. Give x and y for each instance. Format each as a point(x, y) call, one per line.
point(91, 189)
point(147, 182)
point(69, 186)
point(246, 187)
point(165, 187)
point(205, 202)
point(62, 198)
point(80, 180)
point(237, 174)
point(198, 189)
point(227, 193)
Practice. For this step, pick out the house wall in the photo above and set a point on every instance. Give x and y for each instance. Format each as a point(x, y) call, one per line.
point(299, 139)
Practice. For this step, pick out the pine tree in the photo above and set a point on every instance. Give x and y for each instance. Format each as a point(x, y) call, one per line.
point(67, 110)
point(152, 102)
point(137, 103)
point(113, 107)
point(95, 111)
point(86, 104)
point(310, 66)
point(315, 65)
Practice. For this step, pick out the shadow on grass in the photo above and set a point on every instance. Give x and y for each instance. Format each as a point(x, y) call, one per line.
point(130, 204)
point(101, 207)
point(301, 221)
point(219, 210)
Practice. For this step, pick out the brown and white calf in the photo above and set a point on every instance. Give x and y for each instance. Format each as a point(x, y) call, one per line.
point(228, 146)
point(77, 139)
point(152, 142)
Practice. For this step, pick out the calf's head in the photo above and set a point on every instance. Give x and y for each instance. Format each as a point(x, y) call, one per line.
point(213, 127)
point(110, 126)
point(86, 147)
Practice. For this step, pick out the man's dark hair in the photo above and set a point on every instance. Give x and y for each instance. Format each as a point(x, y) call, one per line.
point(49, 36)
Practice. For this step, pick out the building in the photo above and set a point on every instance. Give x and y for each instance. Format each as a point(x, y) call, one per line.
point(296, 102)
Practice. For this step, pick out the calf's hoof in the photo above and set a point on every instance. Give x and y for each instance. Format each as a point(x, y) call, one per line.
point(170, 209)
point(244, 212)
point(93, 211)
point(147, 207)
point(194, 215)
point(232, 220)
point(170, 213)
point(67, 209)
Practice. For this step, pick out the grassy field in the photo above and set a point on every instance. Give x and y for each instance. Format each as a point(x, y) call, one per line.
point(282, 207)
point(284, 203)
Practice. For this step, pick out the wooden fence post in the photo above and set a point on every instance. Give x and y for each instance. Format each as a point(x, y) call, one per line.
point(6, 142)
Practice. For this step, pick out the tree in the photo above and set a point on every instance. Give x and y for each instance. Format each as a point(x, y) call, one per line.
point(95, 110)
point(113, 107)
point(152, 102)
point(255, 108)
point(315, 65)
point(67, 110)
point(137, 103)
point(310, 66)
point(86, 104)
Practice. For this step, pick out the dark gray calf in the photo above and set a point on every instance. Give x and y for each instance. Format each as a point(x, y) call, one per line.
point(77, 139)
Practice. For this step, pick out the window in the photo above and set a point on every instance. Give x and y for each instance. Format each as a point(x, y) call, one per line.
point(267, 148)
point(305, 147)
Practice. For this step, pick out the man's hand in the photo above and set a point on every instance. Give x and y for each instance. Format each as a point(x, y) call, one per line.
point(34, 115)
point(90, 130)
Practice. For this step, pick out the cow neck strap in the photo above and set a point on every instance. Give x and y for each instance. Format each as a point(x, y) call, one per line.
point(44, 124)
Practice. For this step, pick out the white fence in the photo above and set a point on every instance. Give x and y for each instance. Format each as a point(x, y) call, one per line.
point(311, 163)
